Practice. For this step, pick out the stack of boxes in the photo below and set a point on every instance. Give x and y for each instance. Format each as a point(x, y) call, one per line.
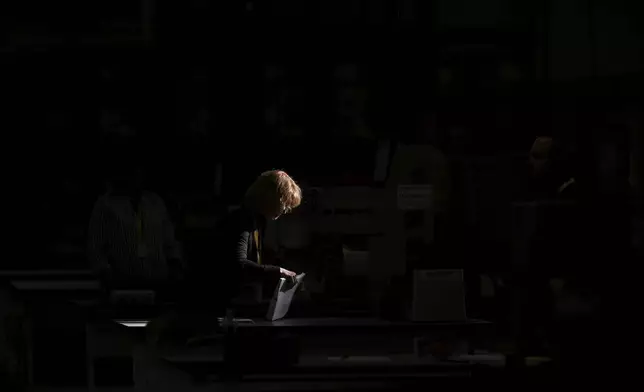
point(389, 231)
point(352, 215)
point(417, 190)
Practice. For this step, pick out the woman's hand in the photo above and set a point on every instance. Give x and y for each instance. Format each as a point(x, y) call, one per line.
point(288, 273)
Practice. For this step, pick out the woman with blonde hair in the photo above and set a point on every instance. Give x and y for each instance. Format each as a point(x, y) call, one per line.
point(238, 244)
point(273, 194)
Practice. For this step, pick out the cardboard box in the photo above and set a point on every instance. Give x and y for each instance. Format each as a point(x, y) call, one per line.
point(350, 210)
point(417, 189)
point(420, 165)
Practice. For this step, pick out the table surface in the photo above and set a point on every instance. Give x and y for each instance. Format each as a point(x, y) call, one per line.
point(345, 322)
point(332, 322)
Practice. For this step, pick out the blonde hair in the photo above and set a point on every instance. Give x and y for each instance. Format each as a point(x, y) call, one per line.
point(274, 189)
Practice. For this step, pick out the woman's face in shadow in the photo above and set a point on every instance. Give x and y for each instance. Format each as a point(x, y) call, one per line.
point(273, 212)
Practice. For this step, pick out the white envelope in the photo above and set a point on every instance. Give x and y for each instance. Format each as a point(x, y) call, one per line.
point(282, 297)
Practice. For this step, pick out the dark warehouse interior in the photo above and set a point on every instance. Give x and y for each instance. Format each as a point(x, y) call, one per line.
point(329, 195)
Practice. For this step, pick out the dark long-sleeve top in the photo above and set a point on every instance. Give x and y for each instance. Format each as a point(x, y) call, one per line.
point(236, 259)
point(238, 236)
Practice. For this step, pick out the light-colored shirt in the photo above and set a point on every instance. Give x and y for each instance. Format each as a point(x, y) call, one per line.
point(132, 244)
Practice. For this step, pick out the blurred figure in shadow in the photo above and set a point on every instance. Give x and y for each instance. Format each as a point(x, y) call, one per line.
point(551, 172)
point(131, 242)
point(548, 237)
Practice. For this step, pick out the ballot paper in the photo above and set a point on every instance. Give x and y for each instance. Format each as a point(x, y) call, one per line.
point(283, 296)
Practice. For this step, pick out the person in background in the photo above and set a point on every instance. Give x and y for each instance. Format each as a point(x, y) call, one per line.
point(551, 176)
point(240, 237)
point(131, 242)
point(550, 232)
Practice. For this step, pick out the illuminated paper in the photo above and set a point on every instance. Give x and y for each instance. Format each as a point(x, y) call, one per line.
point(281, 301)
